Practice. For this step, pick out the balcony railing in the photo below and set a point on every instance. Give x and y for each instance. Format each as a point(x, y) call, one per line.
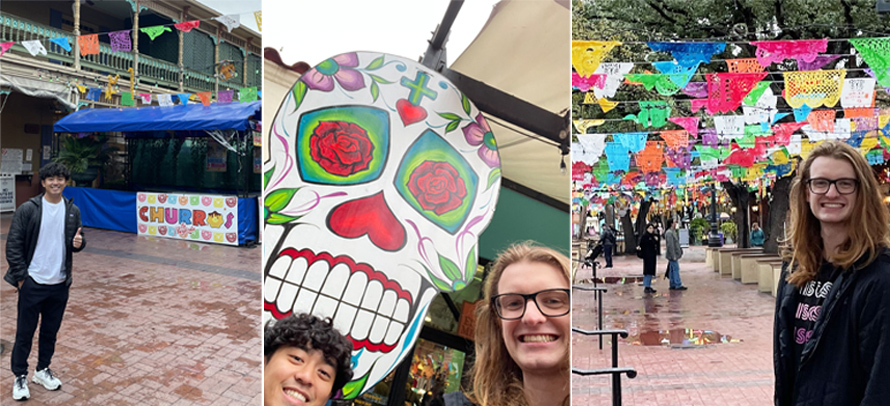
point(152, 71)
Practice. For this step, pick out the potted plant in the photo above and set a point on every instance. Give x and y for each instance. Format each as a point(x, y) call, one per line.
point(699, 228)
point(84, 157)
point(729, 230)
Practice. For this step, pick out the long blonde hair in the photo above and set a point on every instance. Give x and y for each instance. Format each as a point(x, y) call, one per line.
point(497, 379)
point(868, 227)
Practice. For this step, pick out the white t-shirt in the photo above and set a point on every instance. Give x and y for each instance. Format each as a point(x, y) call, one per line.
point(47, 265)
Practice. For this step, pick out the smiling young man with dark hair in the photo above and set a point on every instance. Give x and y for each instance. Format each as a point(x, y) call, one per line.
point(307, 361)
point(45, 231)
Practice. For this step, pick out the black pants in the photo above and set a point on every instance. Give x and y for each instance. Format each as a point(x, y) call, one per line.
point(46, 303)
point(607, 250)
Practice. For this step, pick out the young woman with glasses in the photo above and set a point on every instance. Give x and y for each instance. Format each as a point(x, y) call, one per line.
point(832, 323)
point(523, 331)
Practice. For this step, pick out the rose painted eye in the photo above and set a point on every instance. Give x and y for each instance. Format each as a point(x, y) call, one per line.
point(437, 181)
point(344, 145)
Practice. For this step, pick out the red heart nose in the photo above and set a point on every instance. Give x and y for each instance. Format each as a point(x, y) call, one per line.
point(368, 215)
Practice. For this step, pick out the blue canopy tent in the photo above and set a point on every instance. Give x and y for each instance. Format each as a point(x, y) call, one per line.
point(234, 116)
point(115, 210)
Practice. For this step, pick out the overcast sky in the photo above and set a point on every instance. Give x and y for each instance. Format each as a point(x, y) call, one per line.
point(244, 9)
point(312, 31)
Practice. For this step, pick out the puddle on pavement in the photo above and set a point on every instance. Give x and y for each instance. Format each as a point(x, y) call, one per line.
point(612, 280)
point(680, 338)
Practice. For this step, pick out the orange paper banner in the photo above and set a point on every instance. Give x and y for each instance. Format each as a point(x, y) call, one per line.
point(89, 44)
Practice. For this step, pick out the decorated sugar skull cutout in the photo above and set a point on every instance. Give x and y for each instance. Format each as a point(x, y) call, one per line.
point(381, 177)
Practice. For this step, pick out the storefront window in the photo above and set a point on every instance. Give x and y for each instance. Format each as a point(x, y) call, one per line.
point(435, 370)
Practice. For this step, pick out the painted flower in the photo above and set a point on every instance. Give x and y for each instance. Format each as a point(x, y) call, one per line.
point(322, 76)
point(437, 186)
point(479, 132)
point(341, 148)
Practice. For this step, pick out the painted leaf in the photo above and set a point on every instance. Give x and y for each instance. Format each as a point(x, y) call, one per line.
point(465, 101)
point(267, 176)
point(375, 90)
point(278, 218)
point(492, 177)
point(449, 116)
point(278, 200)
point(299, 92)
point(450, 269)
point(452, 126)
point(375, 64)
point(379, 79)
point(471, 263)
point(352, 389)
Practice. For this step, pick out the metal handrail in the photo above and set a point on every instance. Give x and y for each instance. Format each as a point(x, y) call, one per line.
point(615, 371)
point(599, 300)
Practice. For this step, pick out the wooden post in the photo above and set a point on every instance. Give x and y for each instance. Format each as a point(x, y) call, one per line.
point(76, 34)
point(184, 17)
point(135, 78)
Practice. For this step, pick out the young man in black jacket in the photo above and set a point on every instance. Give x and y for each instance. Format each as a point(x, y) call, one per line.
point(45, 231)
point(832, 326)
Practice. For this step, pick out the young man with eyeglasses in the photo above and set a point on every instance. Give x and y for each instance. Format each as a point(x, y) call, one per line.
point(832, 324)
point(45, 231)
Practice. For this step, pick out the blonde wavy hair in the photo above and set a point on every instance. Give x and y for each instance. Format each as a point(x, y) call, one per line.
point(497, 379)
point(869, 224)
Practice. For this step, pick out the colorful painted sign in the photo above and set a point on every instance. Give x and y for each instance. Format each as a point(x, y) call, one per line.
point(381, 177)
point(204, 218)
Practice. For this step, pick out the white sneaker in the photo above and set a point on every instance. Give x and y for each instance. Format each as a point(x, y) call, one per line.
point(20, 388)
point(46, 378)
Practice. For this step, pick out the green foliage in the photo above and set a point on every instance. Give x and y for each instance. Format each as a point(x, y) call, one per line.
point(77, 154)
point(699, 228)
point(729, 229)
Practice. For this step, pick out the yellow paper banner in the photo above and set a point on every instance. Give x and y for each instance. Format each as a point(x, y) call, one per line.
point(587, 55)
point(607, 105)
point(582, 125)
point(814, 88)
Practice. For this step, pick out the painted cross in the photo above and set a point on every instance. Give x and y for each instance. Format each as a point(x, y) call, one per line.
point(418, 88)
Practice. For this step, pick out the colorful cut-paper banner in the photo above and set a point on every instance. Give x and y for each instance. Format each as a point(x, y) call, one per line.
point(145, 97)
point(258, 15)
point(614, 78)
point(121, 41)
point(690, 124)
point(4, 46)
point(876, 53)
point(187, 26)
point(744, 65)
point(777, 51)
point(247, 94)
point(689, 54)
point(183, 98)
point(205, 98)
point(89, 44)
point(727, 90)
point(62, 42)
point(94, 93)
point(858, 92)
point(224, 96)
point(154, 31)
point(587, 55)
point(813, 88)
point(818, 63)
point(165, 100)
point(127, 99)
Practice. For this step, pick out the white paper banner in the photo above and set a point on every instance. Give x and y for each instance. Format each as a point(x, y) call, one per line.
point(729, 127)
point(34, 47)
point(589, 148)
point(764, 110)
point(615, 78)
point(203, 218)
point(231, 21)
point(858, 92)
point(165, 100)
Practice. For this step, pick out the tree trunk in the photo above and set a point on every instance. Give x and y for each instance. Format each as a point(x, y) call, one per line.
point(778, 212)
point(740, 197)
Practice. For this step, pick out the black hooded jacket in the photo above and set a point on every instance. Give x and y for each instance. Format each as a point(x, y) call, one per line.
point(847, 360)
point(23, 233)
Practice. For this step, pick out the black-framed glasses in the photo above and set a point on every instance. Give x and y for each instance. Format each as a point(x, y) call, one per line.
point(550, 302)
point(843, 186)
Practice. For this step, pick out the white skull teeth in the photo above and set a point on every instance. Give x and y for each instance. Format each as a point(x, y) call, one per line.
point(293, 283)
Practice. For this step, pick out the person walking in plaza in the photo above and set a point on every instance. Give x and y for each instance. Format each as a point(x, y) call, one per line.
point(649, 246)
point(757, 236)
point(609, 241)
point(832, 320)
point(44, 233)
point(673, 252)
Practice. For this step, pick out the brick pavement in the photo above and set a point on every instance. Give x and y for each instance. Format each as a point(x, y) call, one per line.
point(664, 342)
point(150, 321)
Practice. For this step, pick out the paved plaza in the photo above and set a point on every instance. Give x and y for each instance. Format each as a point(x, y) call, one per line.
point(709, 345)
point(150, 321)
